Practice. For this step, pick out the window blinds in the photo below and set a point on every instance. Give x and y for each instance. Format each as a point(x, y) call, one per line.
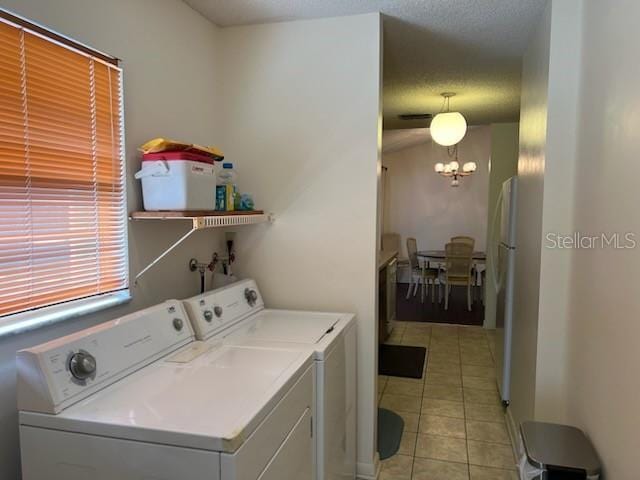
point(62, 197)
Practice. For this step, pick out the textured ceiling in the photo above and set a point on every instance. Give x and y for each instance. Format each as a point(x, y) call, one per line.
point(394, 140)
point(471, 47)
point(399, 139)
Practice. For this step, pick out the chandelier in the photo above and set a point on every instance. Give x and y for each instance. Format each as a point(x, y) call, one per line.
point(452, 170)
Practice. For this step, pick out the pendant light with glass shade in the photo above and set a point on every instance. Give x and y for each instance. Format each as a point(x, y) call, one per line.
point(447, 127)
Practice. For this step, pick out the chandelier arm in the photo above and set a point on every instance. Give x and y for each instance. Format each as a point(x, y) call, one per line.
point(452, 151)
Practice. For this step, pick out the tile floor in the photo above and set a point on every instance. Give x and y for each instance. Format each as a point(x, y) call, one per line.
point(454, 424)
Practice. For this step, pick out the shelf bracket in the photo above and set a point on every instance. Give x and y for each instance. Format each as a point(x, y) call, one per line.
point(199, 222)
point(166, 252)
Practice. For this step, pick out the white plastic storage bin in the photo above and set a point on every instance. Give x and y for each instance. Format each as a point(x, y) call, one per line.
point(177, 181)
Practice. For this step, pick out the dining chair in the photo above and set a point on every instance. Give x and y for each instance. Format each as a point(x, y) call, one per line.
point(391, 241)
point(458, 262)
point(424, 274)
point(463, 239)
point(474, 268)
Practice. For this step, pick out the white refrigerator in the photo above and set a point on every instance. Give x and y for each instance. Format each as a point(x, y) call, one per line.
point(504, 266)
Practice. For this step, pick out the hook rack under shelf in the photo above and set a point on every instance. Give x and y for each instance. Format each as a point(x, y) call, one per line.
point(200, 220)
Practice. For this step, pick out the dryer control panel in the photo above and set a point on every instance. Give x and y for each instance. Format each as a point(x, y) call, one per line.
point(214, 311)
point(61, 372)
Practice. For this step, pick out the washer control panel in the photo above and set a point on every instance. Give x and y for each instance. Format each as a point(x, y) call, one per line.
point(59, 373)
point(213, 311)
point(251, 296)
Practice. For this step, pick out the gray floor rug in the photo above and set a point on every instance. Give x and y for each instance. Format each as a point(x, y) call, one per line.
point(390, 427)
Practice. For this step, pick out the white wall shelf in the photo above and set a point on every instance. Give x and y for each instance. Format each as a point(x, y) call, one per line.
point(200, 220)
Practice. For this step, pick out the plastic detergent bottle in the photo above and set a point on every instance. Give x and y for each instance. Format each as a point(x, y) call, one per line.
point(226, 191)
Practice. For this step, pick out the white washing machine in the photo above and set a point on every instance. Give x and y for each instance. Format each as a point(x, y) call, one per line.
point(139, 398)
point(236, 315)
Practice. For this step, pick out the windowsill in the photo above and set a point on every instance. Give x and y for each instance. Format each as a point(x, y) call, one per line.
point(25, 321)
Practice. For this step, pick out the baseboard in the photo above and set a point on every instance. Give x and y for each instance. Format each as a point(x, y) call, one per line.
point(369, 471)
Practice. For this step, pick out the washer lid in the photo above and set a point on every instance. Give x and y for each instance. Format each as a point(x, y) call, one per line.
point(211, 403)
point(289, 326)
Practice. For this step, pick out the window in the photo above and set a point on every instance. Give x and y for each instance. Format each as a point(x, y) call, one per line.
point(62, 191)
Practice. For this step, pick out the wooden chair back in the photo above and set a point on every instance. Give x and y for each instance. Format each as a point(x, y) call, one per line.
point(458, 261)
point(463, 239)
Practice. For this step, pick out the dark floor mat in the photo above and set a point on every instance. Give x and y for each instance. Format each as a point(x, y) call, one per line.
point(390, 427)
point(401, 361)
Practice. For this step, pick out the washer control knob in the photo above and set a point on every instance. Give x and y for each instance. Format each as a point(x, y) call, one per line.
point(217, 310)
point(82, 365)
point(178, 324)
point(208, 315)
point(251, 296)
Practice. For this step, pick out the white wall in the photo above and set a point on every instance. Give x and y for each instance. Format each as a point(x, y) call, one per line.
point(557, 215)
point(587, 327)
point(533, 134)
point(503, 165)
point(422, 204)
point(546, 168)
point(302, 122)
point(602, 377)
point(301, 118)
point(171, 62)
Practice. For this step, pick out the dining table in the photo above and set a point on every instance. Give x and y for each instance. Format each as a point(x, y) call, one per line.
point(438, 256)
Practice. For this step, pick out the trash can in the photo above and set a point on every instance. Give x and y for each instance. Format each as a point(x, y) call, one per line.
point(554, 452)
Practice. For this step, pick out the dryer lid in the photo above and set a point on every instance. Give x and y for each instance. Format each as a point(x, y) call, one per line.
point(289, 326)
